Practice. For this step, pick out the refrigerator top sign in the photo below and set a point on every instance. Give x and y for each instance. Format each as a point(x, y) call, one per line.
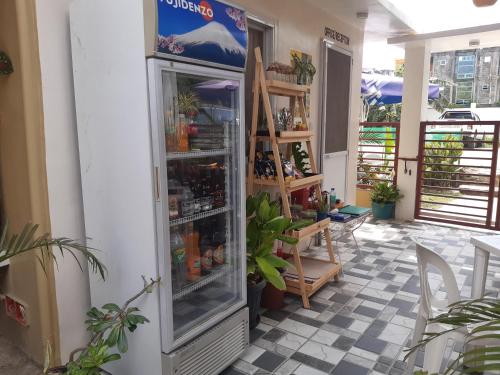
point(208, 31)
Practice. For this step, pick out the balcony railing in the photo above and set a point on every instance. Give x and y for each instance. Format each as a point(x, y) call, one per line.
point(378, 150)
point(458, 174)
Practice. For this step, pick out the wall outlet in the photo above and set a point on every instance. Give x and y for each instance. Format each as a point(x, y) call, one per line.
point(16, 310)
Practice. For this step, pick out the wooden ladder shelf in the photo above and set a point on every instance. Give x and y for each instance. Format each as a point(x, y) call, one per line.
point(310, 274)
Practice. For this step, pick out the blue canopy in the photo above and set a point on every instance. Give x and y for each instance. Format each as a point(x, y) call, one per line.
point(380, 89)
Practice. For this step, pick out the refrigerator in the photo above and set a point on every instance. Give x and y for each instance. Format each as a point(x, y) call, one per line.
point(198, 162)
point(175, 128)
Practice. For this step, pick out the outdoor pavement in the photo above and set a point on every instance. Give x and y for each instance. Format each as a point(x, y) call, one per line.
point(14, 362)
point(361, 324)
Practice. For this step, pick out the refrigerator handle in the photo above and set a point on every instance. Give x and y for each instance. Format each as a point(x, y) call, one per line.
point(157, 183)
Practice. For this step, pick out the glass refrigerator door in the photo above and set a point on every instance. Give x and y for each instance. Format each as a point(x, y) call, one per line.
point(200, 140)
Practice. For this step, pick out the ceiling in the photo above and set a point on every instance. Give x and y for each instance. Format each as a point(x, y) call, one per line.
point(380, 25)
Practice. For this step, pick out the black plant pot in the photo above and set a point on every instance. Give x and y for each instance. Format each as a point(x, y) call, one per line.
point(254, 293)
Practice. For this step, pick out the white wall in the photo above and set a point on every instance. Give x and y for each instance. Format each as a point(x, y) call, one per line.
point(415, 93)
point(63, 167)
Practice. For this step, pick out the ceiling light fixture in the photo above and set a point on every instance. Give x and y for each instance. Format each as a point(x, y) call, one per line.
point(484, 3)
point(474, 43)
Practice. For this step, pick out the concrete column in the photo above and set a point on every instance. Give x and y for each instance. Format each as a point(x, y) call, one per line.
point(415, 93)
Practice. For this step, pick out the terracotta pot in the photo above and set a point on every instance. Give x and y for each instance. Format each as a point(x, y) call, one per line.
point(272, 298)
point(484, 3)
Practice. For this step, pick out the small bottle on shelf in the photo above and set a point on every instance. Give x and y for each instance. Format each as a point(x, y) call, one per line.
point(178, 253)
point(219, 243)
point(191, 239)
point(182, 134)
point(333, 198)
point(207, 253)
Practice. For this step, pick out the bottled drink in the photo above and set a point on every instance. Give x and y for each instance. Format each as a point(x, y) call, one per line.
point(178, 253)
point(170, 132)
point(182, 130)
point(207, 252)
point(219, 243)
point(187, 202)
point(192, 254)
point(333, 198)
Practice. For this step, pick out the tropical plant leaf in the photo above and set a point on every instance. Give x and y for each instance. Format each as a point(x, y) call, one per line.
point(277, 262)
point(27, 241)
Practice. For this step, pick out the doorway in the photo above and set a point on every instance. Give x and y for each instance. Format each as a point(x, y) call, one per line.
point(336, 92)
point(260, 34)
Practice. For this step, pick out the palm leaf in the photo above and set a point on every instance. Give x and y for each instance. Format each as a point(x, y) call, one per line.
point(27, 241)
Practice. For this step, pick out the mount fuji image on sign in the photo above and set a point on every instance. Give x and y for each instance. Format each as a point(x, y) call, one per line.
point(208, 31)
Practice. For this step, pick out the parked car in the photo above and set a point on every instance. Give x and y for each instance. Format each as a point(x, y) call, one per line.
point(470, 134)
point(459, 115)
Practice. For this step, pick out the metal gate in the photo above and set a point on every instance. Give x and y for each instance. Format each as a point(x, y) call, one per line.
point(457, 178)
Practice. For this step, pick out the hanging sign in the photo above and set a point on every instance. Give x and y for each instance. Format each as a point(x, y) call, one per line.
point(204, 30)
point(335, 35)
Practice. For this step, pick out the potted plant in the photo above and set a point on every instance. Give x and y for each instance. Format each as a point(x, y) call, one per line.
point(384, 197)
point(265, 226)
point(304, 69)
point(108, 327)
point(322, 207)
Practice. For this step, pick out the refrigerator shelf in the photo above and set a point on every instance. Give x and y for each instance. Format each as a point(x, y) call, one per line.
point(199, 216)
point(216, 274)
point(197, 154)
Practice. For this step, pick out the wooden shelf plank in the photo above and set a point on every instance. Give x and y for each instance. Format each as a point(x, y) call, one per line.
point(293, 185)
point(317, 273)
point(311, 230)
point(275, 87)
point(289, 137)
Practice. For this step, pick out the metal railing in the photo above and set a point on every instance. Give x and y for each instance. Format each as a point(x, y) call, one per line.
point(378, 150)
point(457, 178)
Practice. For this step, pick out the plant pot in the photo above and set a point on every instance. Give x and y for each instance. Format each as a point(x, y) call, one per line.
point(383, 210)
point(272, 298)
point(321, 216)
point(363, 198)
point(254, 294)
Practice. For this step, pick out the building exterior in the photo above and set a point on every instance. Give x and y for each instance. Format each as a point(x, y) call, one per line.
point(468, 76)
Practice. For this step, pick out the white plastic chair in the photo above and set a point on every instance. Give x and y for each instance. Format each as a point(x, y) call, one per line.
point(430, 306)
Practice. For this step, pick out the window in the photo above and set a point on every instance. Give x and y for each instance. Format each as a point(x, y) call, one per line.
point(464, 92)
point(466, 65)
point(442, 62)
point(487, 59)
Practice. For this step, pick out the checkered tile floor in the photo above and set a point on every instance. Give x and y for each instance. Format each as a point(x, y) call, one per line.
point(361, 325)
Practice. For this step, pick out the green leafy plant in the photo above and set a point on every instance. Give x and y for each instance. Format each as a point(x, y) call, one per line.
point(384, 113)
point(108, 327)
point(265, 226)
point(300, 157)
point(28, 240)
point(385, 192)
point(304, 69)
point(441, 160)
point(481, 319)
point(188, 103)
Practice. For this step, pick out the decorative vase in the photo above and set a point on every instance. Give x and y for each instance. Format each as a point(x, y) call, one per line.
point(321, 216)
point(254, 294)
point(383, 210)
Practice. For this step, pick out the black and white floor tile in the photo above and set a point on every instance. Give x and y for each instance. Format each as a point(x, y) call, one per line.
point(361, 324)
